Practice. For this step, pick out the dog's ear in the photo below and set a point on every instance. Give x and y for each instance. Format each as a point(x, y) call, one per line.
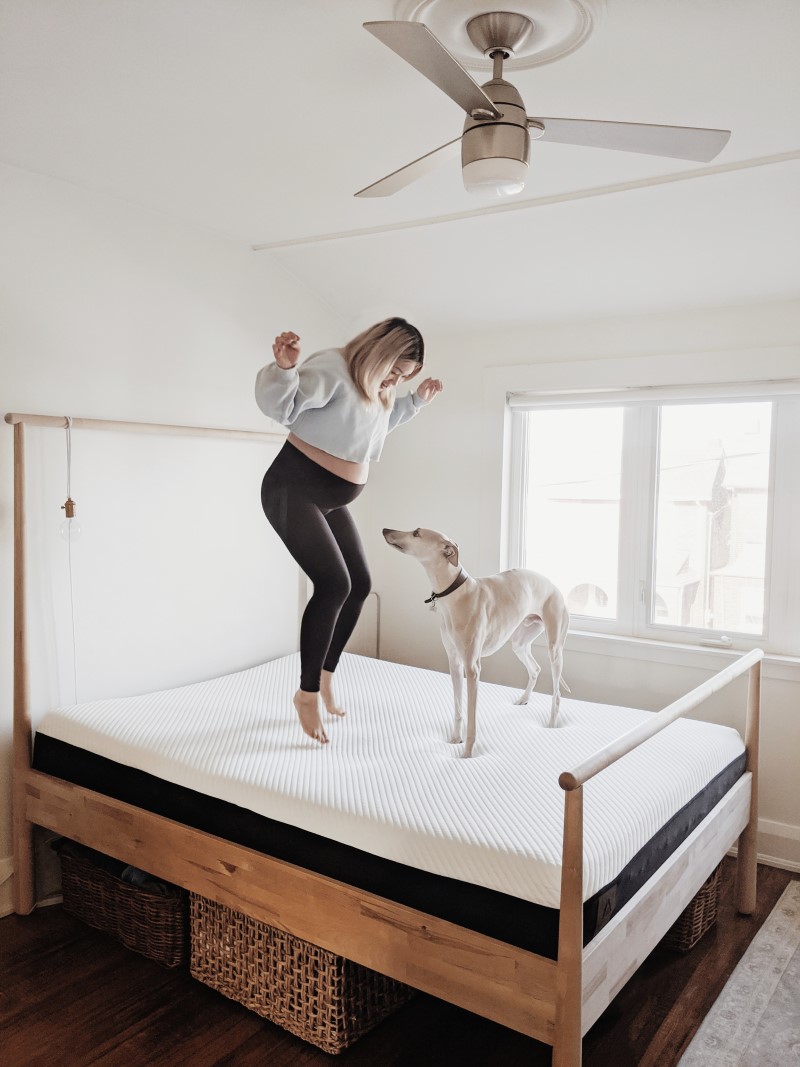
point(450, 552)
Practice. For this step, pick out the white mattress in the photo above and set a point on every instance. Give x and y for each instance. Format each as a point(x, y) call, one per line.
point(390, 783)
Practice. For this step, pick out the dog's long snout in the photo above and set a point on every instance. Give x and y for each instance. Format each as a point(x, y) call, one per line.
point(395, 538)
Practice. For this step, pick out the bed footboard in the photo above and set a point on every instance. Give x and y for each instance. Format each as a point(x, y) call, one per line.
point(509, 985)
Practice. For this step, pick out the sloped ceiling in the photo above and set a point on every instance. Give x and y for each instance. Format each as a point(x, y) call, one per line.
point(258, 120)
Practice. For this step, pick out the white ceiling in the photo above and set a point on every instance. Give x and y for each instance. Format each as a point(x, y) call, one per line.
point(258, 119)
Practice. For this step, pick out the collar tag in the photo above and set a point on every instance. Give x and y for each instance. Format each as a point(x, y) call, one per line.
point(461, 577)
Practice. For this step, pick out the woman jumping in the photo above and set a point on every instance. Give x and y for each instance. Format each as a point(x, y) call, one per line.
point(339, 405)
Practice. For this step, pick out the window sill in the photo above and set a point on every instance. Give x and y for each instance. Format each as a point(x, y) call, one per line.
point(665, 653)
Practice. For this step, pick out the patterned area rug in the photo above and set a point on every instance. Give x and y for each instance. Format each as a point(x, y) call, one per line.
point(755, 1021)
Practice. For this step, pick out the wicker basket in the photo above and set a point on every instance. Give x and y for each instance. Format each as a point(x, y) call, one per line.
point(323, 998)
point(698, 917)
point(151, 923)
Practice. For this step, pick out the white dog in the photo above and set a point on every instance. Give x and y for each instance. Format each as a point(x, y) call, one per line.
point(478, 616)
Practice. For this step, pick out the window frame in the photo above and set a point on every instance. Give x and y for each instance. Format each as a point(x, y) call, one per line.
point(638, 489)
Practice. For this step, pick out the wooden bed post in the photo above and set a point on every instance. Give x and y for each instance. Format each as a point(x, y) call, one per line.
point(24, 897)
point(747, 860)
point(567, 1046)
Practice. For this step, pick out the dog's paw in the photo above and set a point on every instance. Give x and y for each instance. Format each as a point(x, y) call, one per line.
point(522, 699)
point(455, 738)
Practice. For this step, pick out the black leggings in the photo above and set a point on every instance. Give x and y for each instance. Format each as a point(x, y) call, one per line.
point(307, 506)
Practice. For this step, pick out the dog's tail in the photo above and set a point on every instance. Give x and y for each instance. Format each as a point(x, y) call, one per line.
point(563, 685)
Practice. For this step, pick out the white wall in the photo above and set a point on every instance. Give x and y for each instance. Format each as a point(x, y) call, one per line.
point(112, 312)
point(445, 475)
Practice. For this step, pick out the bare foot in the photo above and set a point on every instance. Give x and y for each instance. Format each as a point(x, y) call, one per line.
point(307, 708)
point(326, 692)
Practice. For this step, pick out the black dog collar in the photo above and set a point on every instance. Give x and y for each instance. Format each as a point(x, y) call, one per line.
point(461, 578)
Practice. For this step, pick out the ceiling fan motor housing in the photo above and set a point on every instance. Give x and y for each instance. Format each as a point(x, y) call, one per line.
point(503, 138)
point(495, 143)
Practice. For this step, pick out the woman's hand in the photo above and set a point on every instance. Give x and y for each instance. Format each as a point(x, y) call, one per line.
point(286, 350)
point(428, 389)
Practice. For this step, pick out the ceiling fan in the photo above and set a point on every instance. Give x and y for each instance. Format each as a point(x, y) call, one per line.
point(495, 141)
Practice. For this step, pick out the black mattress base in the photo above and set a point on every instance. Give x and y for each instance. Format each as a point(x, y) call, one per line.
point(506, 918)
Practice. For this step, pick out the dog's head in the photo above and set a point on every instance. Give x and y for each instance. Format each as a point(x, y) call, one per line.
point(428, 546)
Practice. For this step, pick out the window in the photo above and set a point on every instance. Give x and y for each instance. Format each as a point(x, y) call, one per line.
point(572, 489)
point(712, 499)
point(664, 519)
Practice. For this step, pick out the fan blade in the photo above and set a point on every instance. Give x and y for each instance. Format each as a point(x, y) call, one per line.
point(680, 142)
point(415, 43)
point(399, 179)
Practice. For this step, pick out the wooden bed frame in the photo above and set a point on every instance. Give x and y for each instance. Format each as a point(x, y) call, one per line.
point(555, 1001)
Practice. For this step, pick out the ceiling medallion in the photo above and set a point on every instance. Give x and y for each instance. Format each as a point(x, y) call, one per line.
point(559, 27)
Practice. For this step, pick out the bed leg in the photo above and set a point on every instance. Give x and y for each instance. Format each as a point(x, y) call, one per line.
point(567, 1046)
point(24, 893)
point(24, 896)
point(747, 860)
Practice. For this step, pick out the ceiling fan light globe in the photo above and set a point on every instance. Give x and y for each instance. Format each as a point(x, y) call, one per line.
point(498, 175)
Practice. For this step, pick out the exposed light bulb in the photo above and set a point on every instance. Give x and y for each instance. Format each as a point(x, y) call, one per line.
point(70, 528)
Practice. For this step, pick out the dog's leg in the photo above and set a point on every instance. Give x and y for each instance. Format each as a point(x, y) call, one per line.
point(472, 669)
point(556, 665)
point(556, 622)
point(521, 641)
point(456, 665)
point(457, 678)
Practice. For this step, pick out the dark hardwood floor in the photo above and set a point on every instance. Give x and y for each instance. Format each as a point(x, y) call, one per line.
point(70, 996)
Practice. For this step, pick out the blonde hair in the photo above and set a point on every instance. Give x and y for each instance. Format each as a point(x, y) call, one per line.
point(372, 355)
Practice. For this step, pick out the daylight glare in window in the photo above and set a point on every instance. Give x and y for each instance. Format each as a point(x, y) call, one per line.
point(572, 514)
point(711, 516)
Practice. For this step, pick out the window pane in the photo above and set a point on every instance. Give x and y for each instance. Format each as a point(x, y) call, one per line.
point(573, 504)
point(711, 518)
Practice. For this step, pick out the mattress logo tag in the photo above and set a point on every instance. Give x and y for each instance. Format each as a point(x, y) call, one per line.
point(606, 904)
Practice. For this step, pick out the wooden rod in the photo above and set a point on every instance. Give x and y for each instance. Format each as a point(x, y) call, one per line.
point(747, 859)
point(569, 975)
point(167, 429)
point(598, 761)
point(24, 895)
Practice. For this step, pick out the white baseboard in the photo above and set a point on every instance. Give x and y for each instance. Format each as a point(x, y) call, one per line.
point(779, 829)
point(779, 862)
point(779, 844)
point(768, 860)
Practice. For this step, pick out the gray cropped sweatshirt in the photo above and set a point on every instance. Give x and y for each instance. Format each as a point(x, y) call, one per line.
point(318, 401)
